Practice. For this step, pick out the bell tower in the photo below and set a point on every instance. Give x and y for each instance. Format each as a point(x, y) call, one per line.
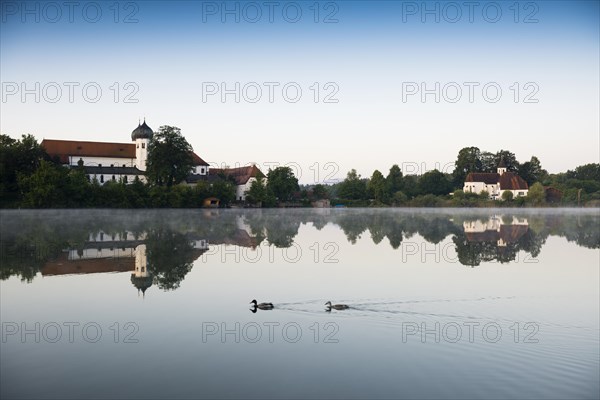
point(141, 136)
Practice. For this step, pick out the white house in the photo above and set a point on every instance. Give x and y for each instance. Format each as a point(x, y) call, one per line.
point(496, 229)
point(243, 177)
point(496, 183)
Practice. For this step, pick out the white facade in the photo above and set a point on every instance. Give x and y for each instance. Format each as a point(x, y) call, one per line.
point(141, 153)
point(240, 190)
point(102, 161)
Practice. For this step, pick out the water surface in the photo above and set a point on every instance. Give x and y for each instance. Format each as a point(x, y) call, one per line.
point(444, 304)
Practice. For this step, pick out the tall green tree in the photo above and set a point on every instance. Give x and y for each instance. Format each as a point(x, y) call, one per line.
point(536, 194)
point(353, 187)
point(531, 171)
point(377, 186)
point(17, 156)
point(434, 182)
point(468, 160)
point(169, 157)
point(393, 180)
point(283, 183)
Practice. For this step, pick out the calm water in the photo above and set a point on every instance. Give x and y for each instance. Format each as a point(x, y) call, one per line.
point(444, 304)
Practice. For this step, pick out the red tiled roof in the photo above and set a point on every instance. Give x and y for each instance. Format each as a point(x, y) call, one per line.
point(512, 181)
point(240, 174)
point(485, 177)
point(508, 180)
point(65, 148)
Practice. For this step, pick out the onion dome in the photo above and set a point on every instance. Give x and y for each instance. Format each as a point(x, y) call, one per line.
point(143, 131)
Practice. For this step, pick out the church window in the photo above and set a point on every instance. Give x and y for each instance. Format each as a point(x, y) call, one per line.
point(101, 178)
point(138, 146)
point(125, 179)
point(143, 145)
point(113, 177)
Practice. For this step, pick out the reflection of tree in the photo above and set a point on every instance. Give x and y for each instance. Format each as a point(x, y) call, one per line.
point(170, 257)
point(31, 239)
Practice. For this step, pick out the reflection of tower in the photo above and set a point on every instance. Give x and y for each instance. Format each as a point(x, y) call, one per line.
point(140, 277)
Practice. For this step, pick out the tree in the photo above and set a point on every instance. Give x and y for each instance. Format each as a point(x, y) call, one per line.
point(17, 157)
point(468, 160)
point(258, 191)
point(45, 187)
point(394, 180)
point(434, 182)
point(509, 159)
point(223, 190)
point(507, 195)
point(169, 157)
point(536, 194)
point(320, 192)
point(585, 172)
point(377, 187)
point(353, 187)
point(532, 171)
point(282, 183)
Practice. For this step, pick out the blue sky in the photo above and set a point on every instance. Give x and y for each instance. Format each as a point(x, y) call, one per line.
point(370, 57)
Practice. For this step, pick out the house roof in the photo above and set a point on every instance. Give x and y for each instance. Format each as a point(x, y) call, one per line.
point(508, 180)
point(241, 175)
point(512, 181)
point(489, 178)
point(77, 148)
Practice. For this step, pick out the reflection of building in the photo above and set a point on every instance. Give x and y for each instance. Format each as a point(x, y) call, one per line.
point(243, 177)
point(496, 183)
point(495, 229)
point(140, 277)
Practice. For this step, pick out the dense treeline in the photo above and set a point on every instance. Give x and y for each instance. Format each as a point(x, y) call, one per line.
point(436, 189)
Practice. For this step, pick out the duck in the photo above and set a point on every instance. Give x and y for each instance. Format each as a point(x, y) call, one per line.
point(336, 306)
point(262, 306)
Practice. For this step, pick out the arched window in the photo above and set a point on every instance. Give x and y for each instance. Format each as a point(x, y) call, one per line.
point(143, 145)
point(125, 179)
point(113, 178)
point(101, 178)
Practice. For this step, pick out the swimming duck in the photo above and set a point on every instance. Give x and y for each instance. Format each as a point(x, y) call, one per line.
point(336, 306)
point(262, 306)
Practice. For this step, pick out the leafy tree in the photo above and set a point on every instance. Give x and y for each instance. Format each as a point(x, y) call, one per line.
point(223, 190)
point(320, 192)
point(434, 182)
point(377, 186)
point(536, 194)
point(257, 192)
point(353, 187)
point(169, 157)
point(282, 183)
point(45, 187)
point(507, 195)
point(532, 171)
point(394, 180)
point(17, 156)
point(468, 160)
point(411, 185)
point(509, 159)
point(585, 172)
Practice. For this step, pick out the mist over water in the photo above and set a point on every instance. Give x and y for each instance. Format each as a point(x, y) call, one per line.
point(443, 303)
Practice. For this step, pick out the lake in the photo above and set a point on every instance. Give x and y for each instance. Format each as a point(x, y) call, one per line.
point(444, 303)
